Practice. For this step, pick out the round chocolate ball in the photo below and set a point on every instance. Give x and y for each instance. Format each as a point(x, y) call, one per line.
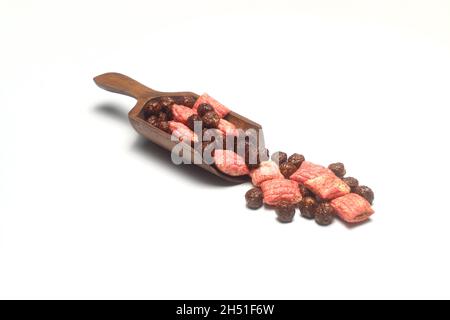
point(324, 214)
point(164, 126)
point(279, 157)
point(152, 107)
point(254, 198)
point(338, 169)
point(365, 192)
point(285, 212)
point(211, 119)
point(287, 169)
point(204, 108)
point(351, 182)
point(296, 159)
point(308, 207)
point(153, 120)
point(192, 120)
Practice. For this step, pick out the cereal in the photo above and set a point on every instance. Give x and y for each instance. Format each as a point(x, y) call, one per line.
point(167, 102)
point(229, 162)
point(365, 192)
point(191, 121)
point(254, 198)
point(182, 132)
point(227, 127)
point(187, 101)
point(153, 120)
point(285, 212)
point(324, 214)
point(352, 208)
point(279, 157)
point(153, 107)
point(308, 207)
point(219, 108)
point(278, 190)
point(305, 191)
point(211, 119)
point(204, 108)
point(327, 186)
point(282, 182)
point(351, 182)
point(164, 126)
point(287, 169)
point(162, 116)
point(296, 159)
point(338, 169)
point(181, 113)
point(268, 170)
point(309, 170)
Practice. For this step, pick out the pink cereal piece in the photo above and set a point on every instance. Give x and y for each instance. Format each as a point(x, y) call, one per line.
point(220, 109)
point(230, 163)
point(327, 186)
point(280, 190)
point(181, 113)
point(227, 128)
point(182, 132)
point(352, 208)
point(309, 170)
point(268, 170)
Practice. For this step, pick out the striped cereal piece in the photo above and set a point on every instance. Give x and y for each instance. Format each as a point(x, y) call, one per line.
point(268, 170)
point(181, 113)
point(327, 186)
point(182, 132)
point(230, 163)
point(227, 128)
point(280, 190)
point(352, 208)
point(309, 170)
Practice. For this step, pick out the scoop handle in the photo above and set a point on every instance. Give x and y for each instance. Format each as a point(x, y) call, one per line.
point(119, 83)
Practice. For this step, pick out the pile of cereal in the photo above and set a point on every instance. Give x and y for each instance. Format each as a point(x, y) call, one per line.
point(320, 193)
point(280, 182)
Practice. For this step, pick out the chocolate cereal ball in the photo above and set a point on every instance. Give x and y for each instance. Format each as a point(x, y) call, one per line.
point(308, 207)
point(287, 169)
point(324, 214)
point(211, 119)
point(187, 101)
point(305, 191)
point(153, 120)
point(167, 101)
point(351, 182)
point(338, 169)
point(164, 126)
point(365, 192)
point(152, 107)
point(192, 120)
point(204, 108)
point(279, 157)
point(162, 116)
point(254, 198)
point(285, 212)
point(296, 159)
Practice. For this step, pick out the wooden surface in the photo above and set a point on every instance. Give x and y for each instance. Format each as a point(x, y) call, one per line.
point(119, 83)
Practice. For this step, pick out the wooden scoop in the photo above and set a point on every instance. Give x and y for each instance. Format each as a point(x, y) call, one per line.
point(119, 83)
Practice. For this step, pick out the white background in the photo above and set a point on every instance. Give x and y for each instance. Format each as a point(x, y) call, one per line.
point(90, 210)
